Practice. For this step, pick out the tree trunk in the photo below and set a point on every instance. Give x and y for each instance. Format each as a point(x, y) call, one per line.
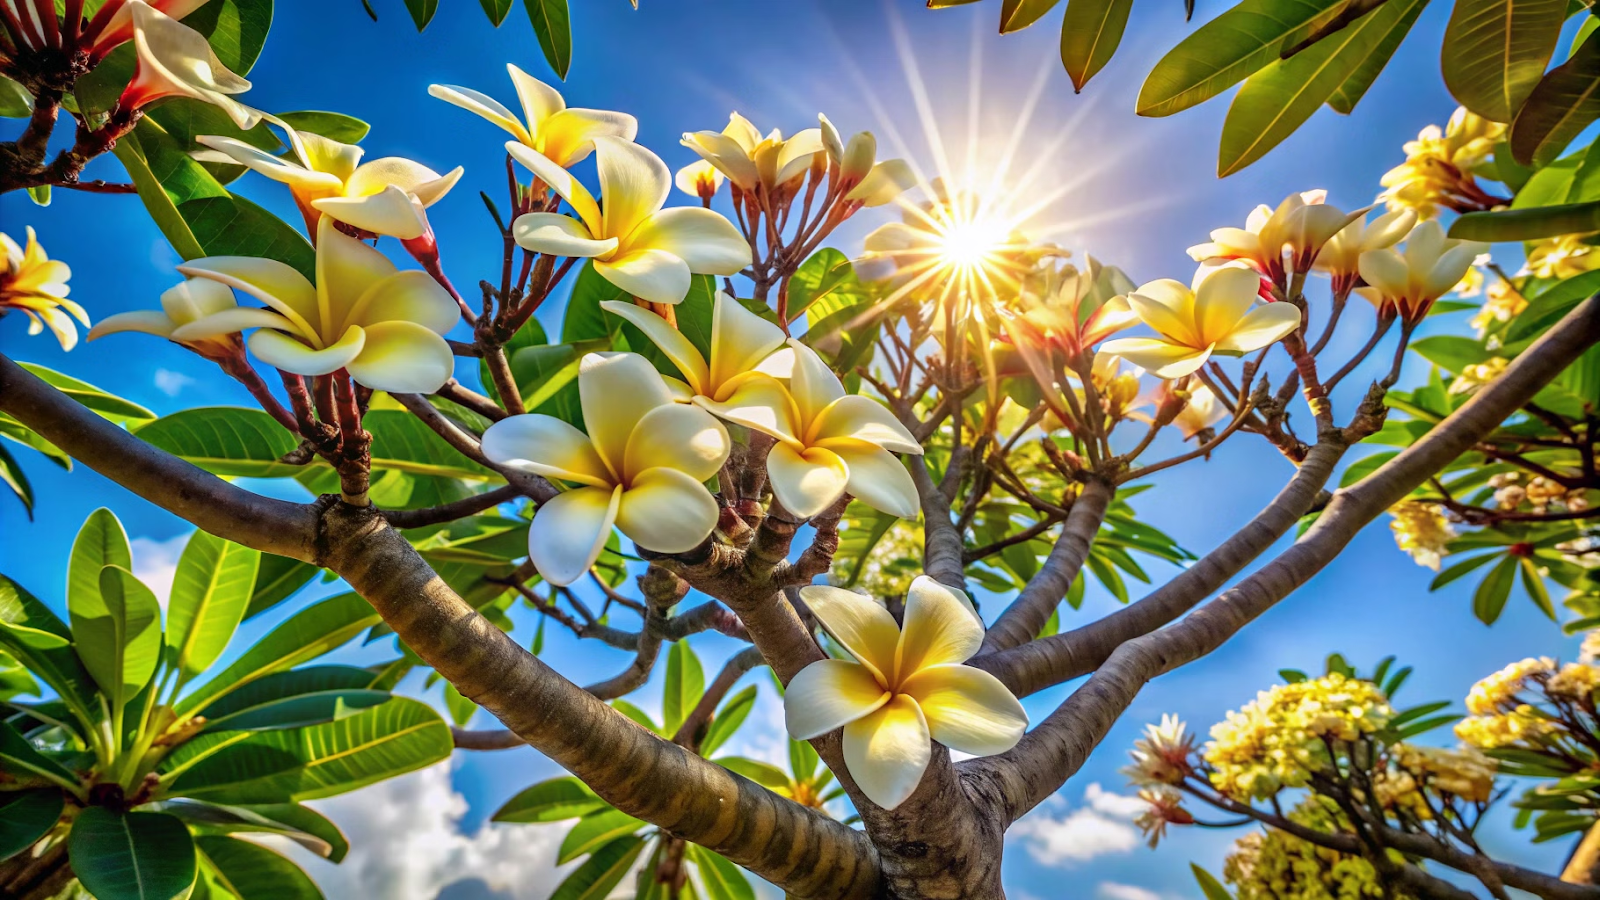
point(26, 877)
point(1584, 866)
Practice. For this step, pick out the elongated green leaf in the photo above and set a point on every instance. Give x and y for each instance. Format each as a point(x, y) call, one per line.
point(762, 773)
point(243, 767)
point(1490, 598)
point(595, 831)
point(1528, 224)
point(722, 879)
point(1495, 51)
point(1450, 352)
point(119, 637)
point(237, 30)
point(496, 10)
point(824, 283)
point(401, 441)
point(1374, 57)
point(1209, 885)
point(210, 591)
point(686, 681)
point(284, 819)
point(31, 634)
point(1090, 34)
point(11, 473)
point(1533, 583)
point(1226, 50)
point(299, 710)
point(131, 856)
point(550, 801)
point(281, 686)
point(108, 406)
point(601, 872)
point(727, 720)
point(277, 579)
point(156, 202)
point(1016, 15)
point(25, 816)
point(553, 27)
point(225, 440)
point(252, 872)
point(306, 635)
point(338, 126)
point(422, 12)
point(307, 821)
point(100, 542)
point(15, 101)
point(21, 762)
point(1461, 568)
point(1562, 104)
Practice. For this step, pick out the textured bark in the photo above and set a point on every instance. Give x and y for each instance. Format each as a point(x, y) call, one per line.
point(1584, 866)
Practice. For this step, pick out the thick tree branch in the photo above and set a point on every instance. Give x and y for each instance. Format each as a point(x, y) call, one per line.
point(1022, 620)
point(942, 545)
point(531, 486)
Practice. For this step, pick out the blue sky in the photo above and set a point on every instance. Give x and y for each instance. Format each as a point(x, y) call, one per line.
point(1141, 190)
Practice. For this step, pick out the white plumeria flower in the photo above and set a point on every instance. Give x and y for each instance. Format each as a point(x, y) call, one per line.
point(699, 179)
point(118, 28)
point(750, 160)
point(564, 136)
point(905, 687)
point(174, 60)
point(867, 181)
point(182, 304)
point(1219, 316)
point(1341, 255)
point(640, 467)
point(1430, 267)
point(1300, 225)
point(744, 355)
point(385, 196)
point(636, 245)
point(1201, 412)
point(385, 327)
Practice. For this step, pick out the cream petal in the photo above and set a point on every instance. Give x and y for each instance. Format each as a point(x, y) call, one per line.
point(278, 285)
point(703, 239)
point(430, 192)
point(1160, 358)
point(346, 270)
point(739, 339)
point(678, 436)
point(390, 212)
point(299, 178)
point(666, 510)
point(812, 384)
point(759, 402)
point(1424, 245)
point(558, 235)
point(402, 357)
point(568, 136)
point(680, 391)
point(283, 352)
point(388, 171)
point(147, 321)
point(1222, 299)
point(829, 694)
point(410, 296)
point(745, 134)
point(1451, 267)
point(228, 321)
point(861, 626)
point(1386, 270)
point(633, 184)
point(1388, 229)
point(545, 445)
point(726, 155)
point(616, 391)
point(806, 481)
point(483, 105)
point(562, 182)
point(194, 298)
point(797, 154)
point(886, 181)
point(653, 275)
point(862, 419)
point(321, 154)
point(941, 628)
point(569, 531)
point(667, 339)
point(1263, 325)
point(967, 709)
point(539, 101)
point(888, 751)
point(1168, 307)
point(877, 478)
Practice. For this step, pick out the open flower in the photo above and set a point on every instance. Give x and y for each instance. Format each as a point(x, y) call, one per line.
point(112, 25)
point(1163, 755)
point(562, 135)
point(639, 468)
point(384, 196)
point(1216, 317)
point(1078, 309)
point(1299, 227)
point(743, 361)
point(37, 285)
point(182, 304)
point(1430, 267)
point(636, 245)
point(1202, 411)
point(699, 179)
point(906, 685)
point(174, 60)
point(383, 326)
point(750, 160)
point(1439, 167)
point(1341, 255)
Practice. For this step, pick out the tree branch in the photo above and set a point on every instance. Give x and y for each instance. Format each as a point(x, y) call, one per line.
point(942, 547)
point(456, 509)
point(1022, 620)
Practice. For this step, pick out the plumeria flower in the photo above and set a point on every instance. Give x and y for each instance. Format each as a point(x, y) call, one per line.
point(750, 160)
point(743, 362)
point(1430, 267)
point(905, 686)
point(112, 25)
point(43, 29)
point(1202, 411)
point(1078, 309)
point(383, 326)
point(182, 304)
point(1341, 255)
point(1163, 755)
point(636, 245)
point(174, 60)
point(860, 175)
point(37, 285)
point(1218, 317)
point(699, 179)
point(639, 468)
point(564, 136)
point(1300, 225)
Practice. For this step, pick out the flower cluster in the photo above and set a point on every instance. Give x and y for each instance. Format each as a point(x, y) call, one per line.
point(1421, 530)
point(1563, 256)
point(1508, 707)
point(1275, 865)
point(1439, 167)
point(1465, 773)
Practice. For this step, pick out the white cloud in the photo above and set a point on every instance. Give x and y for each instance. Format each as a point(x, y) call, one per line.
point(406, 843)
point(172, 383)
point(155, 562)
point(1100, 827)
point(1111, 890)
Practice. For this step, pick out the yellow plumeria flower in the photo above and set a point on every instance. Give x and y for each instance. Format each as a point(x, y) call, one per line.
point(699, 179)
point(174, 60)
point(1563, 257)
point(182, 304)
point(636, 245)
point(1439, 166)
point(385, 196)
point(1220, 316)
point(639, 468)
point(1430, 267)
point(905, 687)
point(564, 136)
point(1341, 255)
point(1078, 309)
point(1299, 227)
point(750, 160)
point(383, 326)
point(743, 362)
point(37, 285)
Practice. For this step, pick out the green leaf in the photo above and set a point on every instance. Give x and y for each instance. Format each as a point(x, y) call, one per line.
point(39, 194)
point(727, 720)
point(496, 10)
point(553, 28)
point(253, 872)
point(1533, 583)
point(336, 126)
point(118, 635)
point(1459, 569)
point(107, 406)
point(459, 707)
point(1452, 353)
point(210, 591)
point(550, 801)
point(306, 821)
point(35, 637)
point(594, 831)
point(225, 440)
point(762, 773)
point(1529, 224)
point(401, 441)
point(100, 542)
point(722, 879)
point(11, 473)
point(237, 30)
point(1016, 15)
point(131, 856)
point(25, 816)
point(1226, 50)
point(1562, 104)
point(1090, 34)
point(1209, 885)
point(277, 579)
point(21, 761)
point(312, 708)
point(279, 686)
point(305, 635)
point(803, 760)
point(163, 211)
point(686, 681)
point(827, 282)
point(15, 101)
point(1374, 57)
point(1490, 597)
point(310, 762)
point(601, 872)
point(1495, 51)
point(422, 12)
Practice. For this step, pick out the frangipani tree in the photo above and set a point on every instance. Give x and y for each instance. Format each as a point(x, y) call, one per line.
point(947, 426)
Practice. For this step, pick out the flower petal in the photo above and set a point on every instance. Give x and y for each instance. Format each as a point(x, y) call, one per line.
point(968, 709)
point(1263, 325)
point(877, 478)
point(759, 402)
point(829, 694)
point(726, 154)
point(812, 384)
point(667, 339)
point(616, 391)
point(861, 626)
point(569, 531)
point(806, 481)
point(1168, 307)
point(703, 239)
point(194, 298)
point(739, 339)
point(299, 178)
point(666, 510)
point(558, 235)
point(539, 101)
point(228, 321)
point(884, 182)
point(545, 445)
point(392, 211)
point(148, 321)
point(653, 275)
point(1385, 270)
point(862, 419)
point(888, 751)
point(402, 357)
point(1222, 299)
point(562, 182)
point(633, 184)
point(281, 351)
point(276, 284)
point(1160, 358)
point(941, 628)
point(410, 296)
point(482, 104)
point(678, 436)
point(346, 270)
point(568, 136)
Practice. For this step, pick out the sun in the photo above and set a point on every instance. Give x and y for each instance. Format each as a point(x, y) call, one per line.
point(971, 245)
